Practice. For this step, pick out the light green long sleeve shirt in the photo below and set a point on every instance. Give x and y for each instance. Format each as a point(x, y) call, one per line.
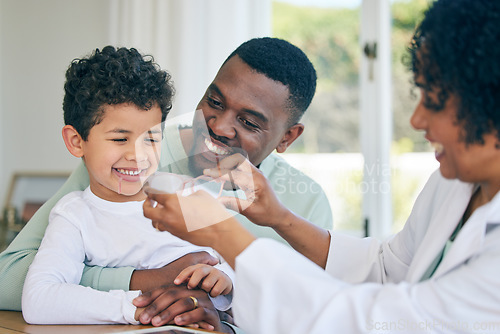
point(295, 190)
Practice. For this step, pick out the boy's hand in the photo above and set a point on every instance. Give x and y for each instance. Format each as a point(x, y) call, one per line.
point(149, 279)
point(206, 277)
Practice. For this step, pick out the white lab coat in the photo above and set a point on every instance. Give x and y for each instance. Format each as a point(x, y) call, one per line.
point(280, 291)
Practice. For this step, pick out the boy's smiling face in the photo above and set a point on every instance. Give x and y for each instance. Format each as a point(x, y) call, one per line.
point(122, 151)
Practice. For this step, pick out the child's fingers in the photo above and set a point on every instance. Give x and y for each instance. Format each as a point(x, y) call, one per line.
point(199, 274)
point(222, 286)
point(185, 274)
point(211, 280)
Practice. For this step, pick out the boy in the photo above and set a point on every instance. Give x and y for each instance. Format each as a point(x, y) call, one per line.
point(114, 105)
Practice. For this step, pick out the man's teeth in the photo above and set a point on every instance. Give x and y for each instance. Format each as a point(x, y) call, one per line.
point(438, 148)
point(128, 172)
point(214, 148)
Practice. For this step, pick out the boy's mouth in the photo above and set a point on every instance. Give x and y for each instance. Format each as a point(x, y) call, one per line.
point(129, 172)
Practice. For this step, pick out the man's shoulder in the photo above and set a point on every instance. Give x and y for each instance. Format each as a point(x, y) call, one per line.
point(288, 181)
point(276, 167)
point(297, 191)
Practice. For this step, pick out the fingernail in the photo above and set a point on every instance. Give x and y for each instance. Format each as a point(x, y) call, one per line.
point(156, 320)
point(177, 281)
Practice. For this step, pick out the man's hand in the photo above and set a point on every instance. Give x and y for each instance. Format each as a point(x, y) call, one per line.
point(173, 304)
point(149, 279)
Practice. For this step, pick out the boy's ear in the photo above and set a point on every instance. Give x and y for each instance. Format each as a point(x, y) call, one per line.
point(73, 141)
point(290, 135)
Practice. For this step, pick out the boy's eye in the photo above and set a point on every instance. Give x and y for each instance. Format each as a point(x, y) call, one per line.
point(119, 140)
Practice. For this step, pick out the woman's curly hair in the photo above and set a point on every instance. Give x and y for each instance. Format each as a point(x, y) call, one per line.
point(456, 50)
point(113, 76)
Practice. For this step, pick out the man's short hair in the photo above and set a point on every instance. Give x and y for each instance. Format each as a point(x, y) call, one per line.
point(282, 61)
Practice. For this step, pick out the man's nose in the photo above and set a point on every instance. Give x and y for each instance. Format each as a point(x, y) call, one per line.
point(222, 125)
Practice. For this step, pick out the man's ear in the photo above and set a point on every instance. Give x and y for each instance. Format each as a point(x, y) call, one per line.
point(73, 141)
point(290, 135)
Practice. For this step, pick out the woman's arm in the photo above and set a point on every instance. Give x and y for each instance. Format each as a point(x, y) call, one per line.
point(199, 219)
point(263, 208)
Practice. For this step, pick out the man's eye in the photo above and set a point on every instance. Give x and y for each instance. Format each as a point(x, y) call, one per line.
point(214, 103)
point(249, 123)
point(152, 140)
point(119, 140)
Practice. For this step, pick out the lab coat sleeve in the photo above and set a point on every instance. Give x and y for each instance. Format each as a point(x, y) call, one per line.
point(280, 291)
point(52, 294)
point(356, 260)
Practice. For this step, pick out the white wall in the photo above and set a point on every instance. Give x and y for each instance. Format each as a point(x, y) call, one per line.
point(38, 40)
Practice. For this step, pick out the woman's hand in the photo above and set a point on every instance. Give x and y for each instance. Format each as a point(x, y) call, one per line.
point(200, 219)
point(261, 205)
point(184, 216)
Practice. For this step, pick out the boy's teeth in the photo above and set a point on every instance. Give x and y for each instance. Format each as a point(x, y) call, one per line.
point(129, 172)
point(214, 148)
point(438, 148)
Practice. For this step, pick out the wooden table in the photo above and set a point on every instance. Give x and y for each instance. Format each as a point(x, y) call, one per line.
point(13, 323)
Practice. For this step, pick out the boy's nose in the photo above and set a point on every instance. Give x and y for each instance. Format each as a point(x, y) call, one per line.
point(136, 153)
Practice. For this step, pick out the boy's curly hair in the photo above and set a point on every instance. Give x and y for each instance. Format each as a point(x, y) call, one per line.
point(456, 50)
point(113, 76)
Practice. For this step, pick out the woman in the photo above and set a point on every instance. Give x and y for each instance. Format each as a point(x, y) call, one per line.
point(441, 272)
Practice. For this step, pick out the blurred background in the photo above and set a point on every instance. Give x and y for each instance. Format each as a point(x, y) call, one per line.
point(358, 143)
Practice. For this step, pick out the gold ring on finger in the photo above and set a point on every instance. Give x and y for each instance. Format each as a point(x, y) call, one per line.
point(195, 302)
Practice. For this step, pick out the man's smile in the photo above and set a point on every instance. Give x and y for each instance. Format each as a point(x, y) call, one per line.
point(216, 149)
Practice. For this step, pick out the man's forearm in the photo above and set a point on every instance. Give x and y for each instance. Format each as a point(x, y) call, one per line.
point(13, 269)
point(149, 279)
point(105, 279)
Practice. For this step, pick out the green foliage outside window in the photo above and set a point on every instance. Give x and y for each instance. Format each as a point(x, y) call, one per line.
point(330, 38)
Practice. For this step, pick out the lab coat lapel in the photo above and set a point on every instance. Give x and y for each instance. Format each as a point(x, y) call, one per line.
point(442, 225)
point(470, 240)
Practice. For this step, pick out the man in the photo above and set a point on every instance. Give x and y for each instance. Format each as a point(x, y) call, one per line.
point(253, 105)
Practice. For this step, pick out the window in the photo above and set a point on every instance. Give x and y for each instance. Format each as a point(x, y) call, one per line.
point(329, 33)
